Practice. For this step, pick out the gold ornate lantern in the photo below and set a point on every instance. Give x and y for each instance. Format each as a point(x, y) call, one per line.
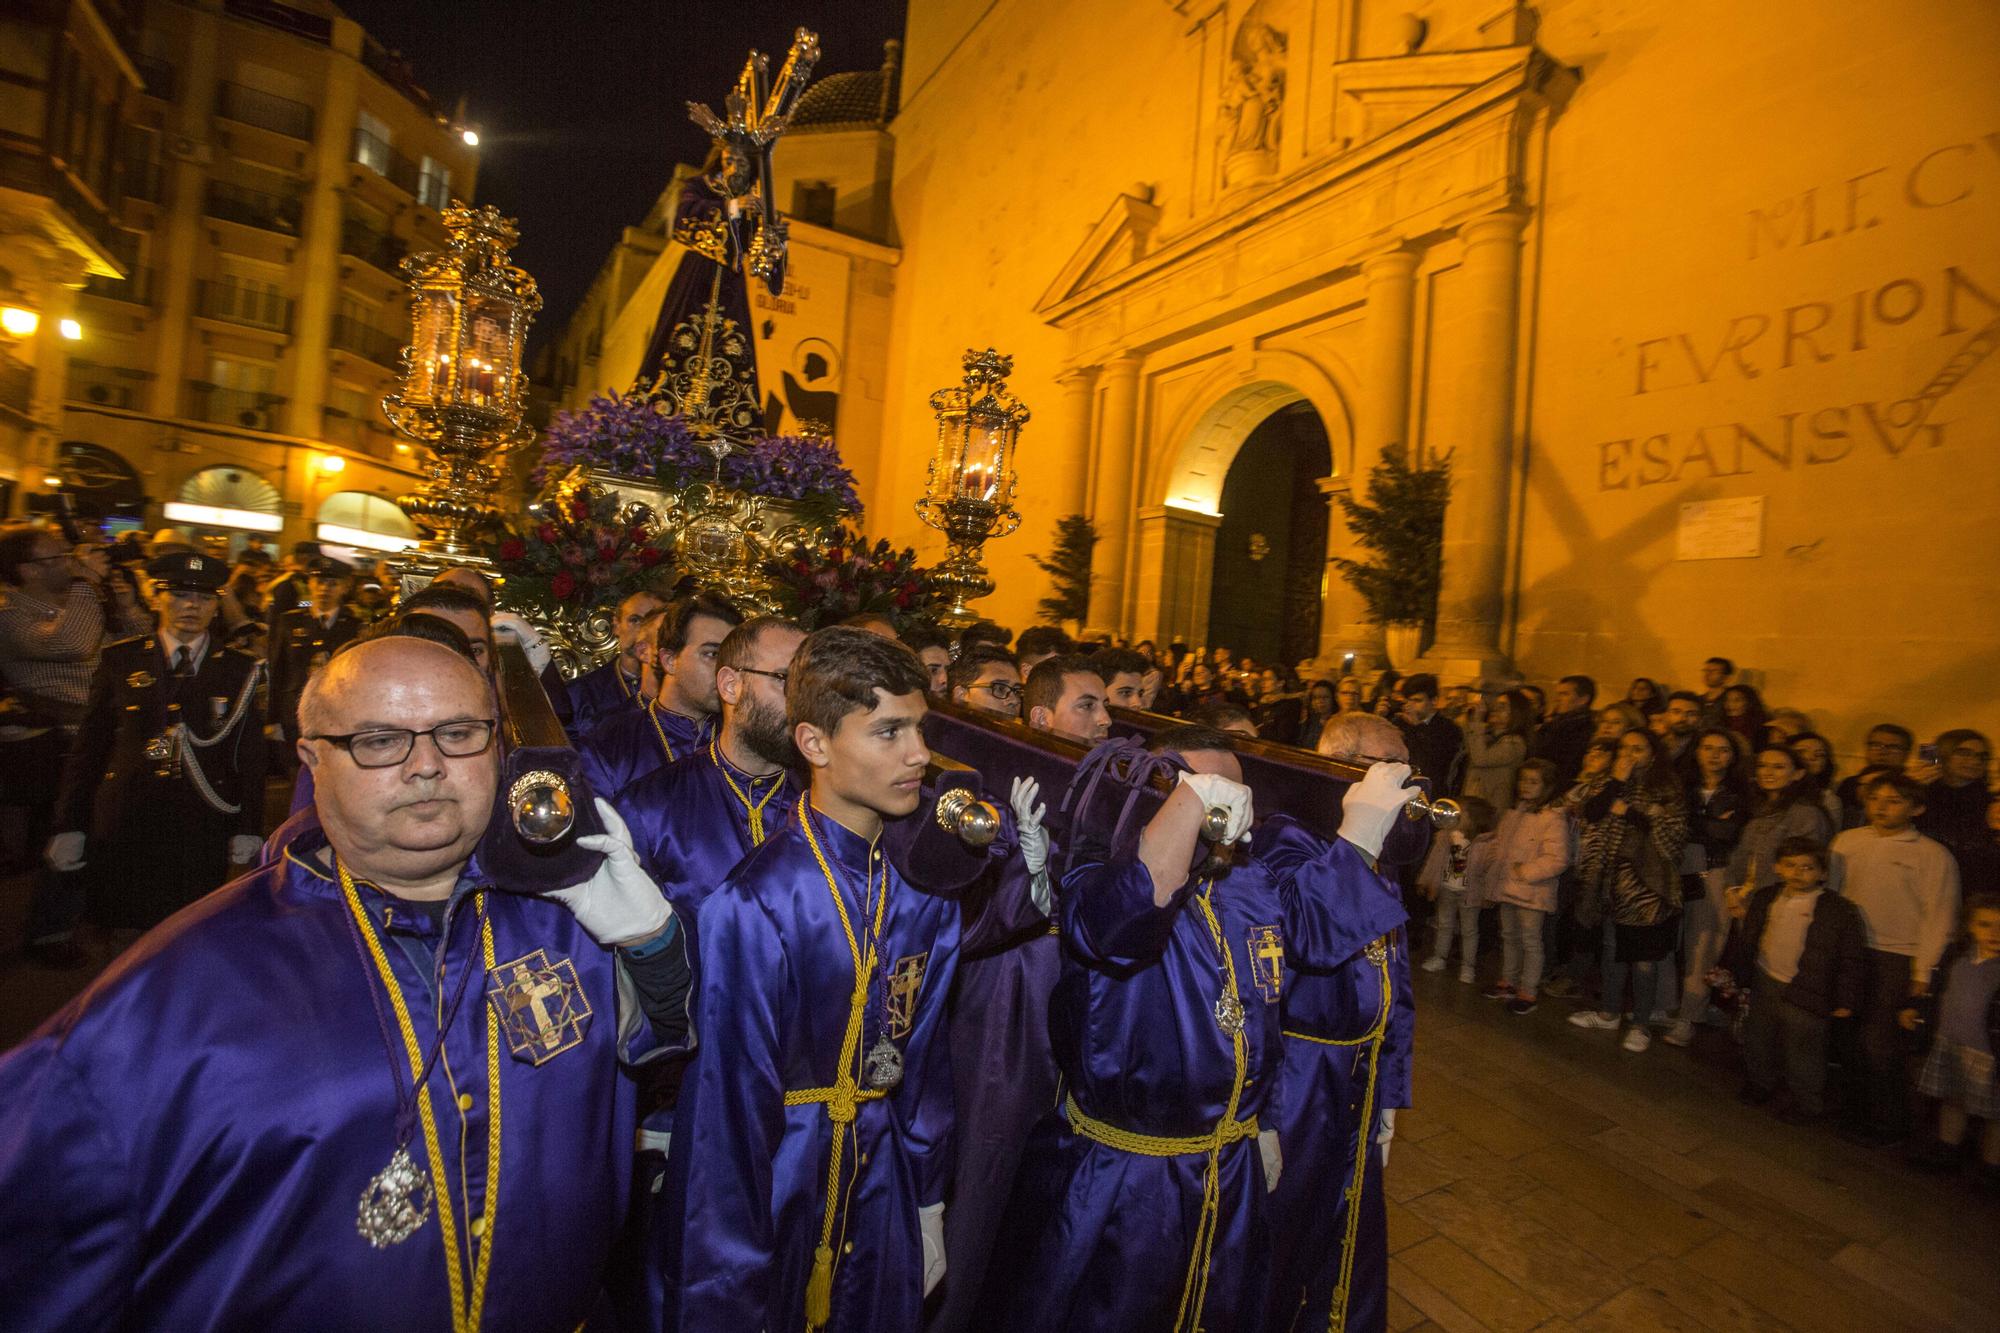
point(462, 388)
point(970, 495)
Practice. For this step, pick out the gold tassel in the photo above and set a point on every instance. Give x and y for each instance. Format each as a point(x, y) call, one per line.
point(819, 1289)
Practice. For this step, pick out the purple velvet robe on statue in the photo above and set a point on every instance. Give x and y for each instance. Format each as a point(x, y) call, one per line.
point(776, 981)
point(628, 746)
point(701, 210)
point(1318, 1111)
point(185, 1145)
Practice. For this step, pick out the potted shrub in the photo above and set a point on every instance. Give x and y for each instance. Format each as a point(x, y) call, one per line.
point(1400, 524)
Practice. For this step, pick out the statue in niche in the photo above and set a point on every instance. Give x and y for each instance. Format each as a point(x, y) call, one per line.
point(1253, 100)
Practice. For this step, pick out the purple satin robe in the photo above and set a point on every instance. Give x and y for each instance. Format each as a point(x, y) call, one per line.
point(628, 746)
point(596, 697)
point(776, 982)
point(1318, 1111)
point(185, 1145)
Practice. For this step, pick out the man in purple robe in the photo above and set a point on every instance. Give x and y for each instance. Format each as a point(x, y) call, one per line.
point(613, 689)
point(818, 1152)
point(678, 712)
point(365, 1086)
point(1142, 1206)
point(1348, 1031)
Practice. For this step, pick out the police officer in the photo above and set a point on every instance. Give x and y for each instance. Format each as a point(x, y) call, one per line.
point(309, 636)
point(164, 787)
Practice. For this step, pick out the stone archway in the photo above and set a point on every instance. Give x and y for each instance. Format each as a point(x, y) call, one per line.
point(1173, 548)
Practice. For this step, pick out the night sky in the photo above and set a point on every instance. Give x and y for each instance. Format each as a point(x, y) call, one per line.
point(580, 106)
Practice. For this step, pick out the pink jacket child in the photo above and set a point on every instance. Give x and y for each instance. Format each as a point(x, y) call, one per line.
point(1529, 852)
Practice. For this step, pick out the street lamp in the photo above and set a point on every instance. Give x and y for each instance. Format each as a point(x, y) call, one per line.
point(970, 493)
point(461, 392)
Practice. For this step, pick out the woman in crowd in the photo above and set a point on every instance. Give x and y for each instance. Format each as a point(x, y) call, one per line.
point(1743, 713)
point(1628, 868)
point(1645, 695)
point(1347, 692)
point(1614, 720)
point(1496, 741)
point(1781, 806)
point(1815, 752)
point(1322, 702)
point(1382, 695)
point(1718, 806)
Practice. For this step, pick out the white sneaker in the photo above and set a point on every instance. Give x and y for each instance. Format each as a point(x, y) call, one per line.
point(1433, 964)
point(1680, 1034)
point(1465, 973)
point(1590, 1018)
point(1637, 1039)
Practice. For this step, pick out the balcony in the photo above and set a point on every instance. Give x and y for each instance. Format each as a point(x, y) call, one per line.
point(106, 386)
point(254, 208)
point(252, 307)
point(284, 18)
point(30, 170)
point(134, 289)
point(368, 435)
point(157, 75)
point(365, 340)
point(251, 409)
point(380, 249)
point(373, 152)
point(395, 71)
point(266, 111)
point(17, 385)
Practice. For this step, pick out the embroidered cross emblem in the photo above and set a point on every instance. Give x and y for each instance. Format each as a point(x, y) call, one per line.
point(541, 1006)
point(1267, 961)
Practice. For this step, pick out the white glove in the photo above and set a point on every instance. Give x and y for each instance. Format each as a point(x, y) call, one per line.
point(65, 852)
point(1219, 793)
point(244, 849)
point(507, 625)
point(1371, 806)
point(1385, 1130)
point(930, 1221)
point(1273, 1155)
point(619, 904)
point(1025, 798)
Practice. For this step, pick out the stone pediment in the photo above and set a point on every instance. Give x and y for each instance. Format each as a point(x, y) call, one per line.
point(1118, 241)
point(1378, 95)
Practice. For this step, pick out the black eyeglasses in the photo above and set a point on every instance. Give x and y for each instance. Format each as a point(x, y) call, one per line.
point(1003, 690)
point(391, 746)
point(780, 676)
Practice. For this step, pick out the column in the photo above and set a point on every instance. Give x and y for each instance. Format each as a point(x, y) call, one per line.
point(1176, 569)
point(1381, 417)
point(316, 270)
point(1476, 522)
point(1111, 511)
point(176, 244)
point(1079, 390)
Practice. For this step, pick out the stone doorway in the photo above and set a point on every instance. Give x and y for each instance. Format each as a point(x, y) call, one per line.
point(1270, 547)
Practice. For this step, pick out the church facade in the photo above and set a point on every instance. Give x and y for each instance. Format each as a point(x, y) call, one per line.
point(1700, 300)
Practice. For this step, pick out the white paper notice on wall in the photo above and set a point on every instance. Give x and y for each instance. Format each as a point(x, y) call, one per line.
point(1722, 529)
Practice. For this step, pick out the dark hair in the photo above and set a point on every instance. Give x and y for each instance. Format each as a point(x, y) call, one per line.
point(919, 637)
point(1039, 639)
point(1653, 702)
point(837, 671)
point(1799, 845)
point(1583, 685)
point(1550, 780)
point(1896, 729)
point(1119, 662)
point(984, 631)
point(1686, 696)
point(1220, 714)
point(485, 594)
point(1754, 712)
point(965, 668)
point(1910, 789)
point(1190, 738)
point(1044, 686)
point(1771, 803)
point(1820, 781)
point(1332, 695)
point(1423, 682)
point(1520, 715)
point(1728, 667)
point(679, 616)
point(17, 548)
point(740, 642)
point(445, 597)
point(419, 624)
point(1948, 741)
point(1476, 816)
point(1735, 776)
point(1986, 900)
point(870, 620)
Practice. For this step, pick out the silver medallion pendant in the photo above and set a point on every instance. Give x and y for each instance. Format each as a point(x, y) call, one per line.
point(1229, 1013)
point(885, 1065)
point(396, 1203)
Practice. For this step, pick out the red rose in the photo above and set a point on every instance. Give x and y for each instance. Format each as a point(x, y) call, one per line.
point(606, 554)
point(513, 549)
point(649, 556)
point(836, 555)
point(563, 585)
point(547, 532)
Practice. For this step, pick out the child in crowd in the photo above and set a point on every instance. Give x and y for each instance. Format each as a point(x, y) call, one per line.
point(1530, 851)
point(1804, 953)
point(1445, 877)
point(1959, 1072)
